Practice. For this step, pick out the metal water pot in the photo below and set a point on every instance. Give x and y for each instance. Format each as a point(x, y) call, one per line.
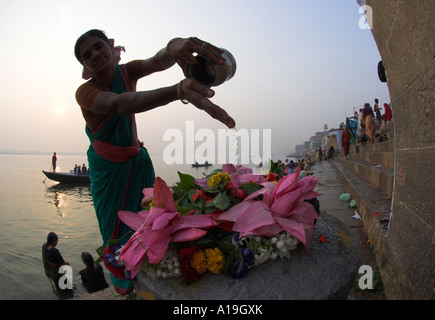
point(209, 74)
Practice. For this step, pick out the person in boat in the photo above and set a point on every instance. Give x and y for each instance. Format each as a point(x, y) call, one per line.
point(54, 161)
point(92, 276)
point(84, 169)
point(119, 164)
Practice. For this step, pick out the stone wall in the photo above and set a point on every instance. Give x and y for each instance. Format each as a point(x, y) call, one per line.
point(404, 31)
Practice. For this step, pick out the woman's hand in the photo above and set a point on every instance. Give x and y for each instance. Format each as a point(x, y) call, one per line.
point(181, 50)
point(198, 94)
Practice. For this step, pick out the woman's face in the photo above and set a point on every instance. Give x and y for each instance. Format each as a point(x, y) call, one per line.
point(97, 55)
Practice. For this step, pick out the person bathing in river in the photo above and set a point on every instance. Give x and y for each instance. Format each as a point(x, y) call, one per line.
point(120, 166)
point(52, 255)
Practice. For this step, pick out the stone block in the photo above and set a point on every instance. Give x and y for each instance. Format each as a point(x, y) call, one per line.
point(414, 112)
point(414, 183)
point(409, 235)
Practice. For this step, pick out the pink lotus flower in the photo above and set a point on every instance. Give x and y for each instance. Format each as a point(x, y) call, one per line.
point(282, 208)
point(157, 227)
point(239, 175)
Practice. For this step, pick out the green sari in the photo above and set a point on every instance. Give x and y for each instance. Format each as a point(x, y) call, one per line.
point(118, 171)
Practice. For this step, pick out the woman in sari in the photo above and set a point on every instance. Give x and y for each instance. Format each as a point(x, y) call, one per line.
point(388, 114)
point(120, 167)
point(345, 141)
point(369, 121)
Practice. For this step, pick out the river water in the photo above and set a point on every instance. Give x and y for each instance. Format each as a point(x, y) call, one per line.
point(31, 206)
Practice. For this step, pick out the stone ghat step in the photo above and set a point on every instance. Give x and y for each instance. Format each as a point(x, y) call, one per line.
point(105, 294)
point(373, 206)
point(385, 159)
point(379, 176)
point(384, 146)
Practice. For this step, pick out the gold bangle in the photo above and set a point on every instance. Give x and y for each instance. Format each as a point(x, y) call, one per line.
point(180, 96)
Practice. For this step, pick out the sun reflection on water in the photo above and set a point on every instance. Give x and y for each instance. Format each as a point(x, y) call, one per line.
point(59, 201)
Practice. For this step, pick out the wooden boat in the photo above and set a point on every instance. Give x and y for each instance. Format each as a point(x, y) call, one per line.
point(197, 165)
point(68, 177)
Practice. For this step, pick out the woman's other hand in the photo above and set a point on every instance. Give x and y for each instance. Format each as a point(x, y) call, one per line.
point(198, 94)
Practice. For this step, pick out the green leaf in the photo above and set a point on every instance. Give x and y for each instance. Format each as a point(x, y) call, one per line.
point(209, 209)
point(179, 190)
point(221, 201)
point(183, 210)
point(186, 180)
point(100, 250)
point(250, 187)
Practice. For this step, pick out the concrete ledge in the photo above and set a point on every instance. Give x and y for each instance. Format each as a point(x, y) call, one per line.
point(327, 271)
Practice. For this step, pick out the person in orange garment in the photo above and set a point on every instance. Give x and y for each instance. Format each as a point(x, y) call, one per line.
point(345, 141)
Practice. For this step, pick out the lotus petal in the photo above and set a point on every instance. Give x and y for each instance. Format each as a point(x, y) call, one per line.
point(267, 191)
point(309, 234)
point(256, 216)
point(266, 231)
point(293, 227)
point(194, 221)
point(148, 192)
point(234, 212)
point(155, 213)
point(135, 248)
point(287, 184)
point(249, 177)
point(163, 196)
point(286, 203)
point(188, 235)
point(158, 244)
point(228, 168)
point(131, 219)
point(202, 182)
point(163, 220)
point(144, 214)
point(244, 170)
point(304, 213)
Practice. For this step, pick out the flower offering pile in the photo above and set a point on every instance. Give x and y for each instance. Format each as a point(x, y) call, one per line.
point(229, 222)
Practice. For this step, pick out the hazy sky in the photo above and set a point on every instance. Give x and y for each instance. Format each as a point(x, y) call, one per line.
point(300, 65)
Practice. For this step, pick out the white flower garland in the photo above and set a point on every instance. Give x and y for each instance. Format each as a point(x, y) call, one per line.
point(264, 249)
